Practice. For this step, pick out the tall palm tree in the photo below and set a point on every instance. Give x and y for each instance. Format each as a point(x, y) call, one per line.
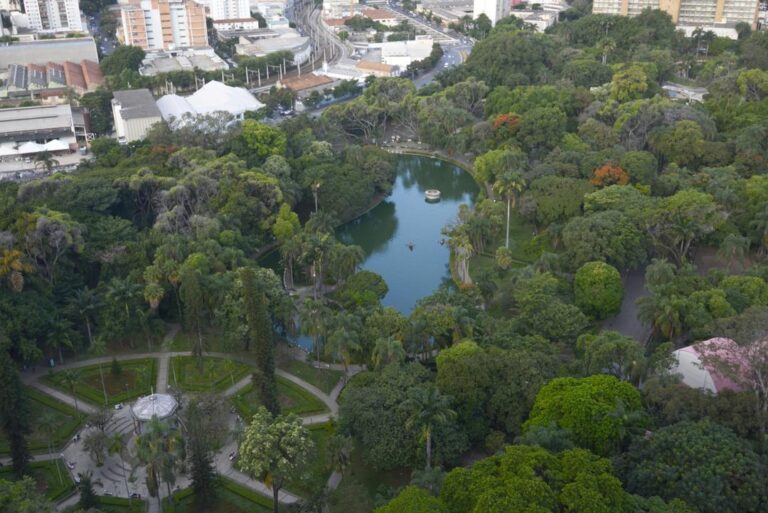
point(44, 160)
point(158, 449)
point(99, 348)
point(509, 185)
point(387, 350)
point(344, 339)
point(345, 260)
point(71, 379)
point(429, 408)
point(290, 251)
point(86, 302)
point(117, 446)
point(313, 317)
point(123, 293)
point(60, 335)
point(606, 46)
point(734, 247)
point(664, 315)
point(759, 224)
point(49, 424)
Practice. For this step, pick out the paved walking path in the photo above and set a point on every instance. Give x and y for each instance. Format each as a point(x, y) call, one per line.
point(222, 462)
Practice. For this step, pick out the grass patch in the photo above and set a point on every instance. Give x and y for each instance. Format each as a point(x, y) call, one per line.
point(324, 379)
point(214, 342)
point(109, 504)
point(46, 476)
point(320, 467)
point(67, 421)
point(364, 488)
point(292, 399)
point(216, 374)
point(137, 377)
point(231, 497)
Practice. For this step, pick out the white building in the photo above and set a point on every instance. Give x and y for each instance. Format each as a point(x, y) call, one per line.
point(259, 43)
point(53, 15)
point(163, 24)
point(211, 98)
point(335, 8)
point(229, 9)
point(134, 112)
point(402, 53)
point(26, 131)
point(494, 9)
point(542, 20)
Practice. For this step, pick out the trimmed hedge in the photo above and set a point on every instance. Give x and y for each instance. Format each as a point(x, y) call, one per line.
point(65, 430)
point(109, 504)
point(94, 395)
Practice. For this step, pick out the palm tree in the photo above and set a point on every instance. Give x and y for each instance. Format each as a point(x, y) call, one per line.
point(664, 315)
point(99, 348)
point(606, 46)
point(290, 250)
point(429, 408)
point(759, 224)
point(159, 448)
point(44, 160)
point(386, 351)
point(734, 247)
point(86, 302)
point(345, 260)
point(343, 340)
point(509, 185)
point(13, 265)
point(124, 294)
point(49, 424)
point(313, 317)
point(71, 378)
point(117, 446)
point(60, 335)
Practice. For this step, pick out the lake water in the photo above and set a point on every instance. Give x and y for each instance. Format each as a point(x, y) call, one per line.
point(405, 218)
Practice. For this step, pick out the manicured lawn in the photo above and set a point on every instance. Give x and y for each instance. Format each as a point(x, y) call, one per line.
point(136, 378)
point(362, 484)
point(292, 399)
point(324, 379)
point(50, 483)
point(319, 462)
point(214, 342)
point(66, 422)
point(520, 237)
point(216, 374)
point(230, 498)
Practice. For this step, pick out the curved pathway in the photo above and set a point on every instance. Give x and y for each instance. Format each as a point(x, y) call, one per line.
point(113, 467)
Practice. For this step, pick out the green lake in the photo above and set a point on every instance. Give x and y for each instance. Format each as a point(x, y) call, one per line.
point(405, 220)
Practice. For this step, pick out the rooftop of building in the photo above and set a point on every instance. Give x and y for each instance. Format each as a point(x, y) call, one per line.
point(45, 50)
point(30, 119)
point(212, 97)
point(307, 81)
point(375, 66)
point(136, 104)
point(155, 405)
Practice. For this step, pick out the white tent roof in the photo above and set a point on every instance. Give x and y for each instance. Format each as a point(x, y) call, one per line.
point(212, 97)
point(692, 371)
point(174, 106)
point(56, 145)
point(31, 147)
point(8, 150)
point(155, 405)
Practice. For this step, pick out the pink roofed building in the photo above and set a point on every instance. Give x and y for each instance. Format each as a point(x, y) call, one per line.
point(695, 364)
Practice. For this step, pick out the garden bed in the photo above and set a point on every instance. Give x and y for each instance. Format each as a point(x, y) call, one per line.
point(52, 483)
point(324, 379)
point(231, 497)
point(215, 375)
point(66, 420)
point(292, 399)
point(136, 378)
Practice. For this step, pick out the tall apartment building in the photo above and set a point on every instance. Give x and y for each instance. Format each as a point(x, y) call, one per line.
point(164, 24)
point(53, 15)
point(229, 9)
point(494, 9)
point(693, 13)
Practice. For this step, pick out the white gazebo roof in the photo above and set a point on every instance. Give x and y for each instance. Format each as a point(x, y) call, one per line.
point(31, 147)
point(155, 405)
point(56, 145)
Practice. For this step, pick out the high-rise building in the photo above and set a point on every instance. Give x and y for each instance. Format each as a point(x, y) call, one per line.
point(164, 24)
point(494, 9)
point(688, 13)
point(229, 9)
point(53, 15)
